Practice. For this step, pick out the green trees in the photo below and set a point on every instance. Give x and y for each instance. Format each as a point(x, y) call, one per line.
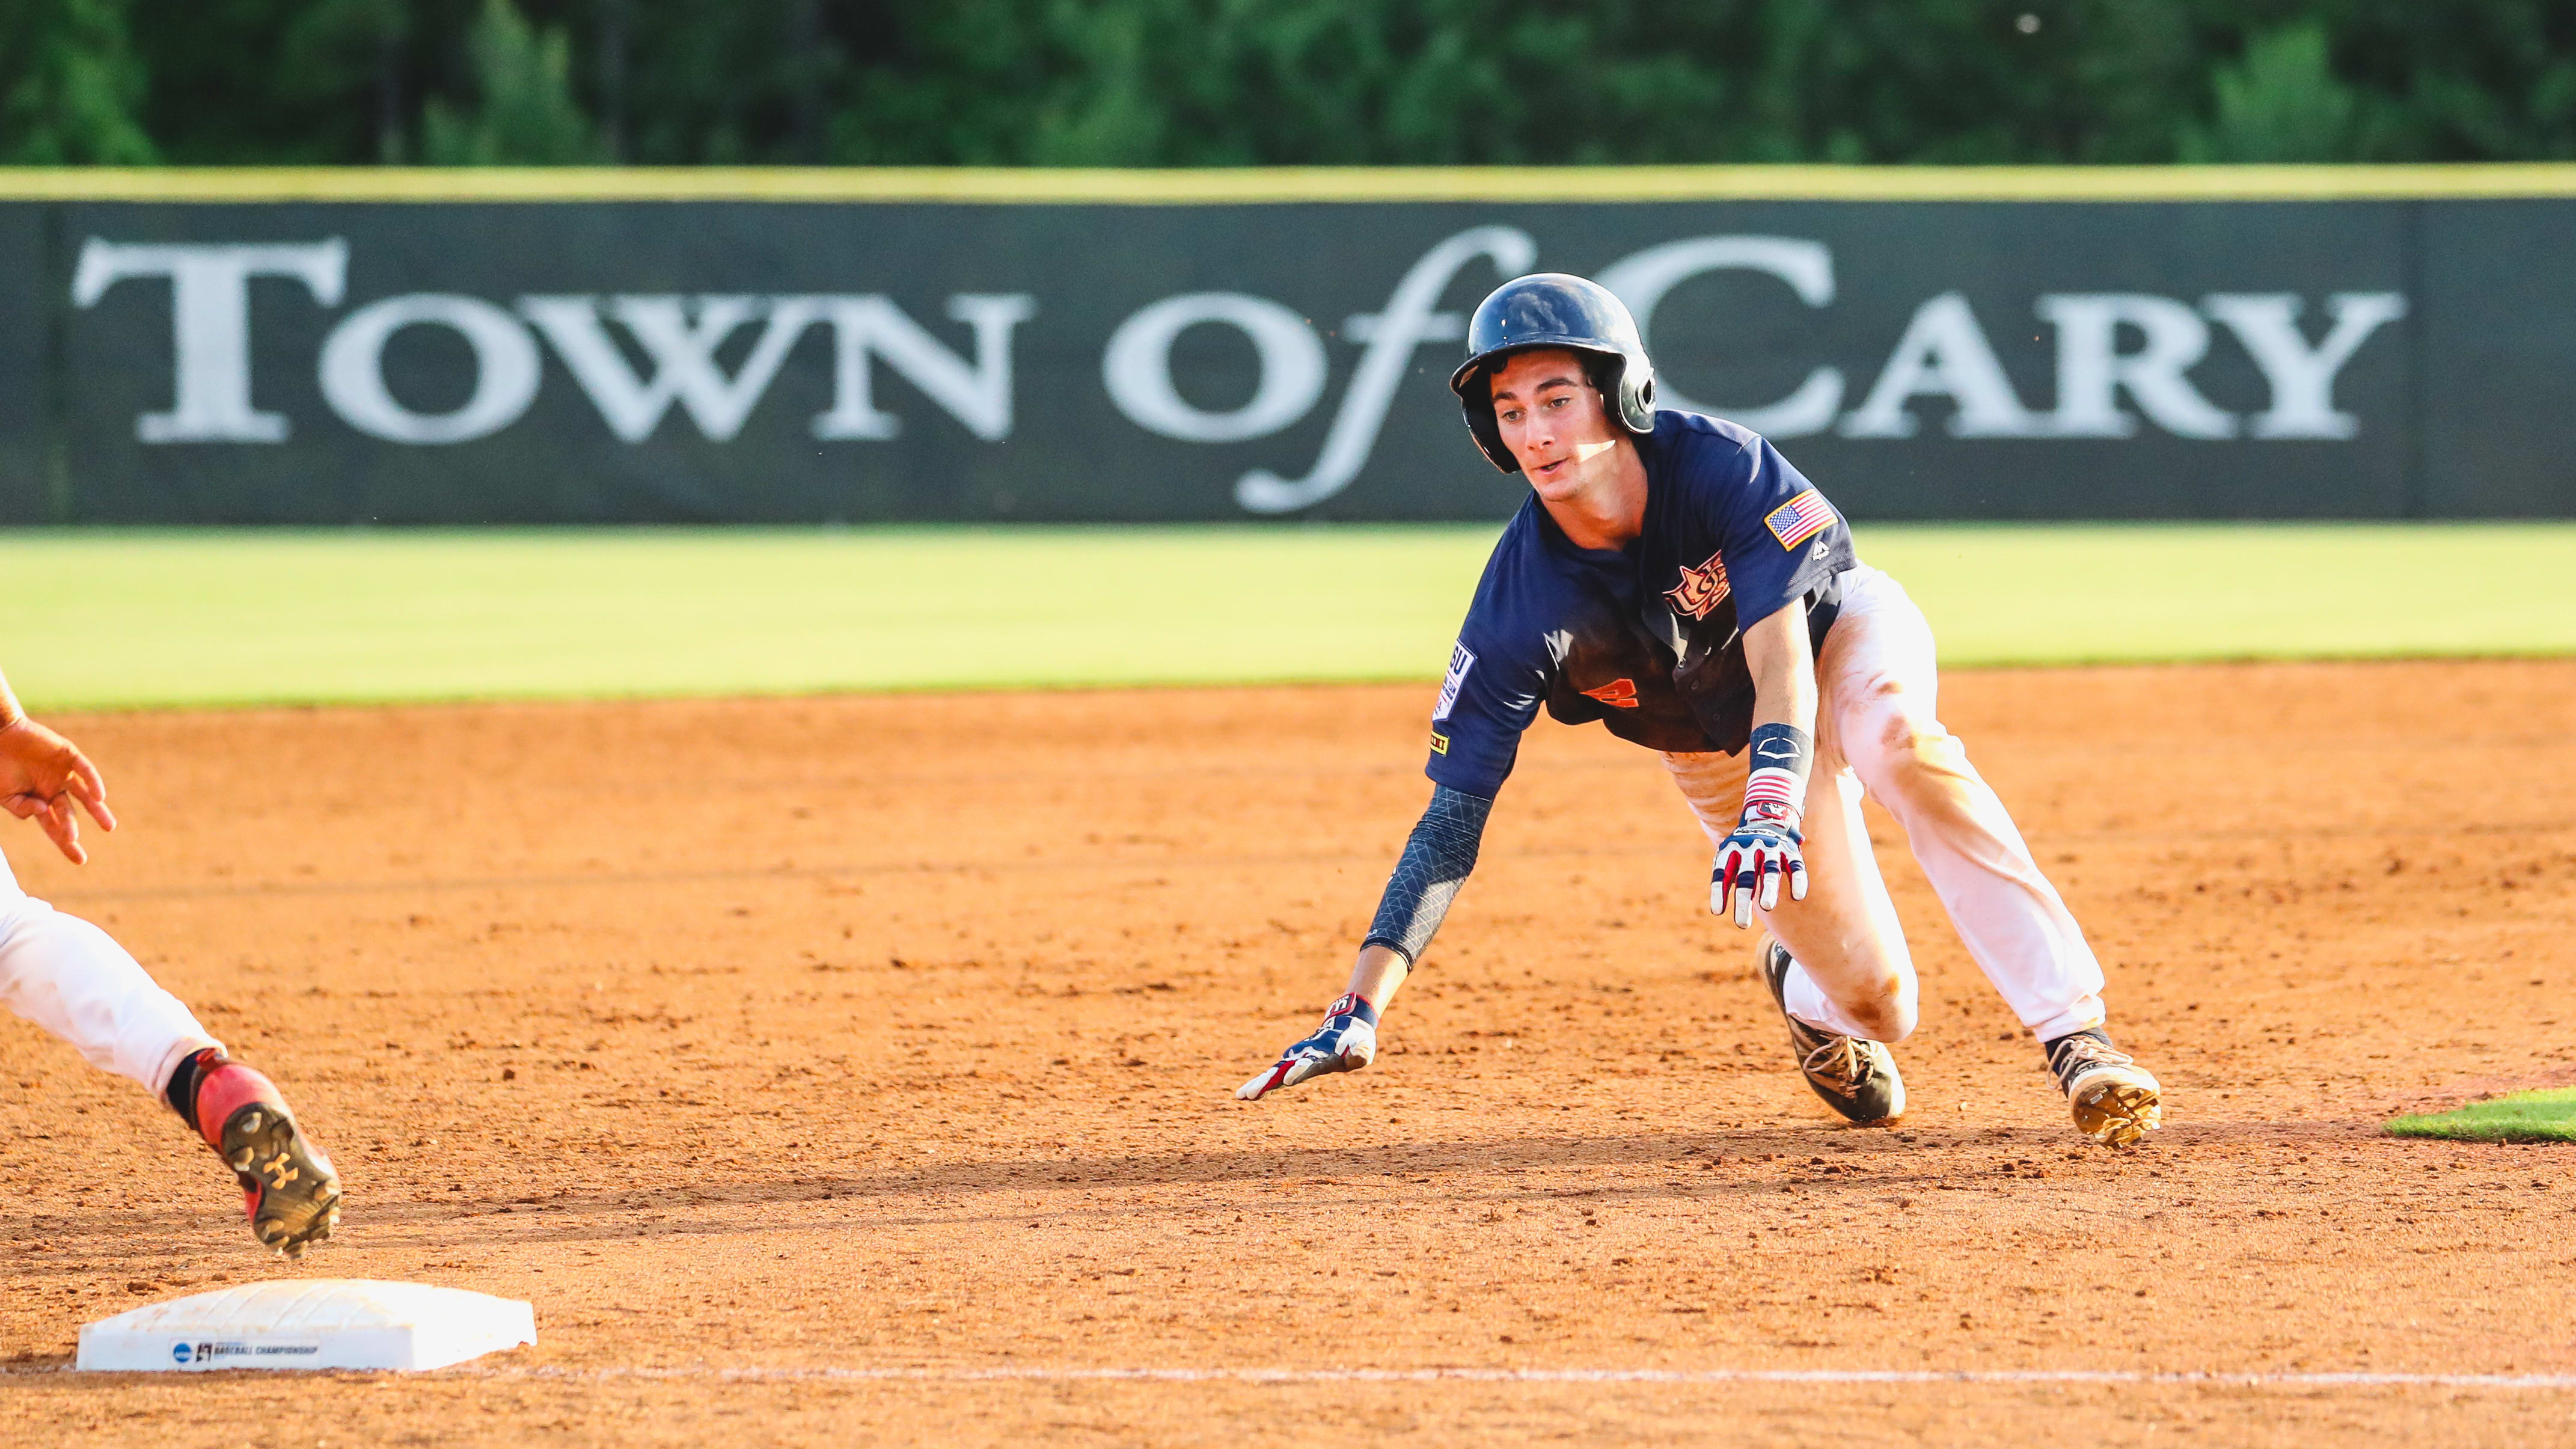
point(1246, 82)
point(69, 85)
point(2281, 102)
point(522, 111)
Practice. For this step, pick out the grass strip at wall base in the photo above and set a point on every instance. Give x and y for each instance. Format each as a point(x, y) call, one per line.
point(2544, 1116)
point(139, 619)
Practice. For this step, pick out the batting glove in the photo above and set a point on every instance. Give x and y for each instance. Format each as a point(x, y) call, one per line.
point(1752, 862)
point(1346, 1042)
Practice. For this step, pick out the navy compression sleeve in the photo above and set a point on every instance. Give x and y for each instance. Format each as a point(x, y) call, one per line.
point(1437, 856)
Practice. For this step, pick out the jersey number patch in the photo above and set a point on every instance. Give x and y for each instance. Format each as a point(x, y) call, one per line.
point(1701, 589)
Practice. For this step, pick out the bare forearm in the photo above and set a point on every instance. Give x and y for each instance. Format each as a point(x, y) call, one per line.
point(1379, 974)
point(1761, 854)
point(1783, 666)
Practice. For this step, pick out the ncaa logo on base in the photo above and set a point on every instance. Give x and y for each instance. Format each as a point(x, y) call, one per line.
point(181, 1353)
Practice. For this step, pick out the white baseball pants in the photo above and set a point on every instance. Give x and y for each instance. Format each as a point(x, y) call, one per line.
point(72, 979)
point(1877, 734)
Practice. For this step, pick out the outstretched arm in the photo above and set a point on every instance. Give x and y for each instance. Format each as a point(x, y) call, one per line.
point(1437, 858)
point(1762, 854)
point(42, 775)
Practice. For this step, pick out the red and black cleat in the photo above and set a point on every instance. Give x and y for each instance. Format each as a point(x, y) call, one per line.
point(289, 1188)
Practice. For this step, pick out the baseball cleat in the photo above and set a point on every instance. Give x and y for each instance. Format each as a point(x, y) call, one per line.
point(289, 1190)
point(2115, 1101)
point(1854, 1075)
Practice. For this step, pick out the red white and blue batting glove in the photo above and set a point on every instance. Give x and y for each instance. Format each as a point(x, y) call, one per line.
point(1346, 1042)
point(1762, 852)
point(1753, 861)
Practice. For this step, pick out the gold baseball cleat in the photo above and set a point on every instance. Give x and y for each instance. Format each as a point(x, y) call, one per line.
point(2116, 1102)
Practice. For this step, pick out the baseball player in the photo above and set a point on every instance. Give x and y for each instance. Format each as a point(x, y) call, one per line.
point(1673, 577)
point(69, 977)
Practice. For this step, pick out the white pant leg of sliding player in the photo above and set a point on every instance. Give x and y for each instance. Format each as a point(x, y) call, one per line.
point(1879, 685)
point(72, 979)
point(1853, 976)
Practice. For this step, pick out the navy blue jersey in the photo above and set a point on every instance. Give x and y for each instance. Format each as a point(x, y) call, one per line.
point(1647, 639)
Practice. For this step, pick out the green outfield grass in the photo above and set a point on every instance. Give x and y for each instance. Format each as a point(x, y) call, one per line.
point(2547, 1116)
point(130, 619)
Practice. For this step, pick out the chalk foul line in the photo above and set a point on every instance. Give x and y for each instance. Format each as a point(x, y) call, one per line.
point(2132, 1378)
point(2005, 1377)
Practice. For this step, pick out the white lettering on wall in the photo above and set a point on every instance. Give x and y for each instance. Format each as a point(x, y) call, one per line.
point(977, 395)
point(680, 335)
point(2092, 371)
point(210, 325)
point(1642, 279)
point(1406, 322)
point(1137, 367)
point(506, 369)
point(1944, 353)
point(2302, 377)
point(2119, 356)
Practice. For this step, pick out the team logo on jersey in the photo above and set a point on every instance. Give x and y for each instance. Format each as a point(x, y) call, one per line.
point(1701, 589)
point(1618, 694)
point(1461, 659)
point(1799, 519)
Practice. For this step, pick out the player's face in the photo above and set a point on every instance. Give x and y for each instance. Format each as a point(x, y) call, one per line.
point(1554, 421)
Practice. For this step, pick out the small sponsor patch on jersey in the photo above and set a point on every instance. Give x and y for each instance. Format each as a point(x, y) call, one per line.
point(1461, 659)
point(1800, 519)
point(1618, 693)
point(1439, 743)
point(1701, 589)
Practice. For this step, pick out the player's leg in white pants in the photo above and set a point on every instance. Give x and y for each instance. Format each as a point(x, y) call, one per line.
point(1876, 725)
point(1853, 976)
point(72, 979)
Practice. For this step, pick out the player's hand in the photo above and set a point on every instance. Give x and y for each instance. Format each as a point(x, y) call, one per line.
point(42, 775)
point(1346, 1042)
point(1752, 863)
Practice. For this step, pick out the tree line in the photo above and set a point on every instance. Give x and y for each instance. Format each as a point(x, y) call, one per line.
point(1282, 82)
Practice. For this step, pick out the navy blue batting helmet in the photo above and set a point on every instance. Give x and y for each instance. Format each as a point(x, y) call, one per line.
point(1551, 309)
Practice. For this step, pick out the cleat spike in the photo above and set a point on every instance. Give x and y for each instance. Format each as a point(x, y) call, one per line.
point(2115, 1101)
point(289, 1190)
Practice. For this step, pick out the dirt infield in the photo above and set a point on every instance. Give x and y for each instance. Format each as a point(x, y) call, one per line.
point(856, 1071)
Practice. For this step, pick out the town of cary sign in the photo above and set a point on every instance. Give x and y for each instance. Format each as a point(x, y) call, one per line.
point(738, 361)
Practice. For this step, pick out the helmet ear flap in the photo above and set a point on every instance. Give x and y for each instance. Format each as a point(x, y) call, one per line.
point(1476, 396)
point(1627, 388)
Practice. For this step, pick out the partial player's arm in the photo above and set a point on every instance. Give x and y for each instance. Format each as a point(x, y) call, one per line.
point(42, 775)
point(1437, 858)
point(1763, 850)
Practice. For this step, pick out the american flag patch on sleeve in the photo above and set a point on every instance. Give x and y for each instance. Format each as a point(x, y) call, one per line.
point(1800, 519)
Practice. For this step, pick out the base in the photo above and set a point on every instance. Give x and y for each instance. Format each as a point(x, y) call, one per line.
point(309, 1323)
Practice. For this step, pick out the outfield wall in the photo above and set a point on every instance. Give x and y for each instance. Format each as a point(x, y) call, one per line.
point(532, 347)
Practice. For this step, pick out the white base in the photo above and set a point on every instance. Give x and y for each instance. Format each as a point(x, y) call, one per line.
point(309, 1323)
